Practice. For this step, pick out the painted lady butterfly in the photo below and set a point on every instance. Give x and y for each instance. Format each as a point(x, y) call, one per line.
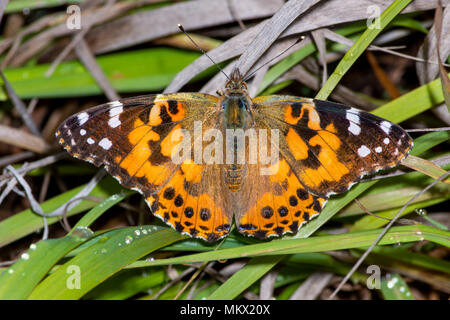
point(323, 148)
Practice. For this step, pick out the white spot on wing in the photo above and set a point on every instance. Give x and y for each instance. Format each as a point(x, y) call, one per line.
point(386, 141)
point(90, 141)
point(354, 120)
point(114, 122)
point(116, 111)
point(354, 128)
point(386, 126)
point(105, 143)
point(378, 149)
point(353, 117)
point(82, 118)
point(363, 151)
point(82, 132)
point(116, 103)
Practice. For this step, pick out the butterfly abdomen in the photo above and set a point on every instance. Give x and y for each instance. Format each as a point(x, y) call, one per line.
point(234, 176)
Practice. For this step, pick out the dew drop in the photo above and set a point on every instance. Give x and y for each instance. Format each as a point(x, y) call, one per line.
point(10, 271)
point(82, 233)
point(137, 233)
point(25, 256)
point(128, 239)
point(421, 211)
point(33, 246)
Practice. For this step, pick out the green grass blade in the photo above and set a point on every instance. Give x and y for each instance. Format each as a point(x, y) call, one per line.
point(412, 103)
point(101, 208)
point(350, 240)
point(131, 71)
point(395, 288)
point(126, 284)
point(18, 281)
point(100, 261)
point(360, 45)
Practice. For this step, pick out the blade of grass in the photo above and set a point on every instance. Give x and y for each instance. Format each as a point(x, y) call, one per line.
point(370, 222)
point(425, 166)
point(105, 258)
point(360, 45)
point(18, 281)
point(126, 284)
point(395, 288)
point(350, 240)
point(130, 71)
point(101, 208)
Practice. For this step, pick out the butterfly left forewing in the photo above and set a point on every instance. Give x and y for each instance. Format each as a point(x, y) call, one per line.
point(133, 138)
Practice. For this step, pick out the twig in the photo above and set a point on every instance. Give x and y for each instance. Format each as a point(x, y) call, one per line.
point(35, 165)
point(76, 38)
point(171, 283)
point(385, 230)
point(15, 158)
point(20, 106)
point(23, 139)
point(3, 5)
point(92, 66)
point(428, 129)
point(36, 208)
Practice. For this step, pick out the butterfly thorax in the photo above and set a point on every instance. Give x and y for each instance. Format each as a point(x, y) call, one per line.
point(236, 105)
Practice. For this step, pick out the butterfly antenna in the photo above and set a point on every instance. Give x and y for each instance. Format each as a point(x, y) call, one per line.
point(203, 51)
point(280, 54)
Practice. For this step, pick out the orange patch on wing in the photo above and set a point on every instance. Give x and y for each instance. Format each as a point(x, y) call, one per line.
point(170, 143)
point(192, 171)
point(289, 118)
point(179, 114)
point(156, 175)
point(331, 168)
point(140, 153)
point(279, 171)
point(297, 146)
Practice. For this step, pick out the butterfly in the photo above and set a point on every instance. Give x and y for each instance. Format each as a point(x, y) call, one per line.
point(322, 148)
